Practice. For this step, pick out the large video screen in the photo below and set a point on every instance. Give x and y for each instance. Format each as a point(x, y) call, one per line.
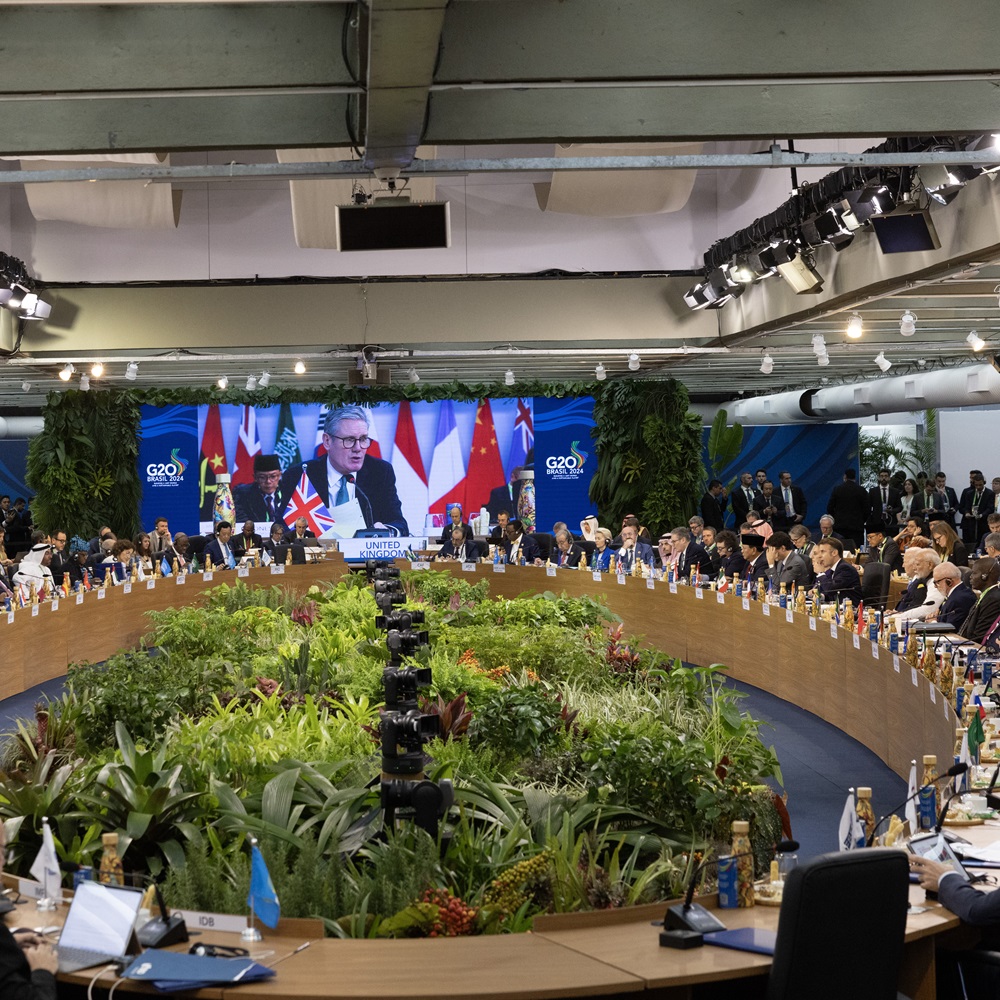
point(349, 469)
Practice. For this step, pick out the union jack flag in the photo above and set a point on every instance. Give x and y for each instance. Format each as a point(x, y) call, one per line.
point(524, 435)
point(307, 503)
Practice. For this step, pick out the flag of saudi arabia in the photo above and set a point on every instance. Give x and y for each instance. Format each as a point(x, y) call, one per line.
point(286, 445)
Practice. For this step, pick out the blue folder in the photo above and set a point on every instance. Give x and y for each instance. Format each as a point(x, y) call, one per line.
point(754, 939)
point(173, 971)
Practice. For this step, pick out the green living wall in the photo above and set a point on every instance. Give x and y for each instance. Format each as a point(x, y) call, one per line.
point(83, 465)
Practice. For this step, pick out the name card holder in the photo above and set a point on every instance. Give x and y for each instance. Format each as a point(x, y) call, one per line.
point(277, 569)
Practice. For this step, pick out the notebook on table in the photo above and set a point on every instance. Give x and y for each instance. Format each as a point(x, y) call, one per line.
point(100, 926)
point(755, 939)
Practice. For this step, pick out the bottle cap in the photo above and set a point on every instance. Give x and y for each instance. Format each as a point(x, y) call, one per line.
point(741, 826)
point(223, 477)
point(930, 758)
point(864, 793)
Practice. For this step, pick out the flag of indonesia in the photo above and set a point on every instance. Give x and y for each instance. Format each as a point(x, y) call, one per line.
point(307, 503)
point(446, 483)
point(246, 448)
point(374, 450)
point(411, 480)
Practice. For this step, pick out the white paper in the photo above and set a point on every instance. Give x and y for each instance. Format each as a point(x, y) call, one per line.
point(766, 609)
point(551, 570)
point(150, 584)
point(34, 609)
point(127, 587)
point(277, 569)
point(874, 650)
point(79, 598)
point(672, 587)
point(789, 615)
point(621, 579)
point(650, 583)
point(720, 597)
point(347, 519)
point(746, 603)
point(895, 663)
point(857, 640)
point(699, 593)
point(833, 630)
point(497, 567)
point(597, 576)
point(812, 624)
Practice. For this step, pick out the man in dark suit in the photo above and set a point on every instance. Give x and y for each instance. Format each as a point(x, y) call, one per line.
point(791, 503)
point(567, 553)
point(518, 546)
point(956, 893)
point(60, 561)
point(262, 500)
point(959, 598)
point(982, 621)
point(457, 546)
point(219, 550)
point(505, 497)
point(976, 503)
point(743, 496)
point(884, 501)
point(754, 560)
point(940, 499)
point(767, 503)
point(711, 506)
point(299, 532)
point(247, 539)
point(839, 580)
point(848, 506)
point(688, 554)
point(882, 548)
point(633, 548)
point(347, 472)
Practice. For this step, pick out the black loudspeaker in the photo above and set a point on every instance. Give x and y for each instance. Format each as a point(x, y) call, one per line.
point(394, 224)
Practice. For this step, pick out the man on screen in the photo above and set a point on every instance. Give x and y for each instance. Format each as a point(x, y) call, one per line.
point(347, 472)
point(260, 501)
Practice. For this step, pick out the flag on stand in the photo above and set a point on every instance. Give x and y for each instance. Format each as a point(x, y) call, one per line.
point(524, 435)
point(485, 469)
point(262, 899)
point(446, 480)
point(45, 868)
point(964, 757)
point(23, 595)
point(411, 479)
point(911, 803)
point(852, 830)
point(247, 447)
point(306, 502)
point(975, 734)
point(286, 441)
point(213, 460)
point(861, 618)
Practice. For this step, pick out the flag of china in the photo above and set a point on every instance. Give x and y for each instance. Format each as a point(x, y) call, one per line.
point(485, 470)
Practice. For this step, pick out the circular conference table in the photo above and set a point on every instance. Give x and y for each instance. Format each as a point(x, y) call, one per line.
point(865, 691)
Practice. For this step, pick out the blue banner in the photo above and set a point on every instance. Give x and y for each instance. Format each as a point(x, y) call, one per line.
point(13, 463)
point(565, 461)
point(168, 467)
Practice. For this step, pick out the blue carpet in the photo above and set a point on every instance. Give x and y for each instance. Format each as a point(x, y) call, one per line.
point(818, 764)
point(22, 706)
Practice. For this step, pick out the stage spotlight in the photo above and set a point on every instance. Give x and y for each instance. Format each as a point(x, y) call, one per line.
point(509, 378)
point(975, 341)
point(828, 227)
point(797, 270)
point(855, 326)
point(600, 372)
point(251, 383)
point(132, 370)
point(767, 364)
point(873, 199)
point(26, 386)
point(85, 382)
point(300, 368)
point(882, 361)
point(15, 296)
point(633, 362)
point(762, 261)
point(741, 272)
point(412, 376)
point(32, 307)
point(822, 360)
point(908, 324)
point(699, 296)
point(97, 369)
point(265, 380)
point(66, 373)
point(223, 382)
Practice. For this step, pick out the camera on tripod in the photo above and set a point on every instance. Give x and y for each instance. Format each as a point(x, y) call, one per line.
point(379, 569)
point(401, 620)
point(403, 735)
point(405, 642)
point(401, 685)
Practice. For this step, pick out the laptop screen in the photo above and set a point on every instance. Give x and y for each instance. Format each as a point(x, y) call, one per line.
point(101, 918)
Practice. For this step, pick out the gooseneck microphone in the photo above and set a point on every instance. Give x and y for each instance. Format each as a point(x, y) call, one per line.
point(952, 772)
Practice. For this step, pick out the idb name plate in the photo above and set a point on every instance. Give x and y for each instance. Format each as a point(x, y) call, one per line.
point(223, 922)
point(362, 549)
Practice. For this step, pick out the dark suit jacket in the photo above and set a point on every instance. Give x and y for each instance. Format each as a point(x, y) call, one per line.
point(643, 551)
point(238, 543)
point(792, 569)
point(982, 616)
point(888, 553)
point(875, 499)
point(948, 503)
point(446, 534)
point(842, 585)
point(967, 902)
point(471, 550)
point(375, 484)
point(213, 550)
point(914, 595)
point(849, 505)
point(712, 511)
point(291, 536)
point(570, 559)
point(59, 566)
point(973, 528)
point(529, 550)
point(741, 506)
point(249, 503)
point(781, 520)
point(756, 570)
point(17, 981)
point(956, 606)
point(762, 503)
point(733, 566)
point(693, 555)
point(501, 500)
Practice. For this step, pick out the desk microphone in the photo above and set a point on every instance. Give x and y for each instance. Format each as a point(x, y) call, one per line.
point(952, 771)
point(686, 923)
point(359, 492)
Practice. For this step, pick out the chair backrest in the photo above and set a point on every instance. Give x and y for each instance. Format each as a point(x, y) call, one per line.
point(841, 927)
point(545, 544)
point(875, 584)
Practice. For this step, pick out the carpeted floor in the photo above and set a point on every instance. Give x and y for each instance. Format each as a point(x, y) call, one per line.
point(818, 762)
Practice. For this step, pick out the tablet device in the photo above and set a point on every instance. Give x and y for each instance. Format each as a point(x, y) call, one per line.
point(935, 847)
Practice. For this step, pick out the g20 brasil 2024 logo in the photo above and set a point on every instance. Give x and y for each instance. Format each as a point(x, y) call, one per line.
point(167, 472)
point(567, 466)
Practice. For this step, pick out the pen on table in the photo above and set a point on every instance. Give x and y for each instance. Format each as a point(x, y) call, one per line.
point(294, 951)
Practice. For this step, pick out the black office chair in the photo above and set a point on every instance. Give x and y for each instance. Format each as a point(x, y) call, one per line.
point(545, 544)
point(841, 927)
point(588, 548)
point(875, 585)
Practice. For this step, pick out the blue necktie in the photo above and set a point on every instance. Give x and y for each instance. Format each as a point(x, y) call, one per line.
point(342, 495)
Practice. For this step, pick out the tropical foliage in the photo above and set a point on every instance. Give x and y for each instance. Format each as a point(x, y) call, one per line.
point(586, 769)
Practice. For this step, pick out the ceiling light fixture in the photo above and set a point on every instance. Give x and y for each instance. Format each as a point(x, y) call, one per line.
point(633, 362)
point(300, 368)
point(85, 382)
point(66, 373)
point(32, 307)
point(975, 341)
point(600, 372)
point(132, 370)
point(882, 361)
point(855, 326)
point(412, 376)
point(265, 380)
point(223, 383)
point(823, 360)
point(251, 383)
point(767, 364)
point(25, 386)
point(818, 344)
point(97, 369)
point(908, 324)
point(508, 378)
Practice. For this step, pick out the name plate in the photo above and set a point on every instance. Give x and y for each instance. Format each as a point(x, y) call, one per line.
point(225, 922)
point(933, 691)
point(101, 594)
point(208, 576)
point(874, 650)
point(468, 567)
point(31, 889)
point(650, 583)
point(150, 585)
point(242, 572)
point(420, 564)
point(79, 598)
point(699, 593)
point(180, 579)
point(127, 587)
point(10, 617)
point(766, 608)
point(597, 576)
point(277, 569)
point(913, 676)
point(362, 549)
point(672, 587)
point(621, 579)
point(55, 604)
point(857, 641)
point(746, 603)
point(499, 567)
point(549, 570)
point(812, 624)
point(895, 663)
point(34, 610)
point(833, 630)
point(789, 615)
point(720, 598)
